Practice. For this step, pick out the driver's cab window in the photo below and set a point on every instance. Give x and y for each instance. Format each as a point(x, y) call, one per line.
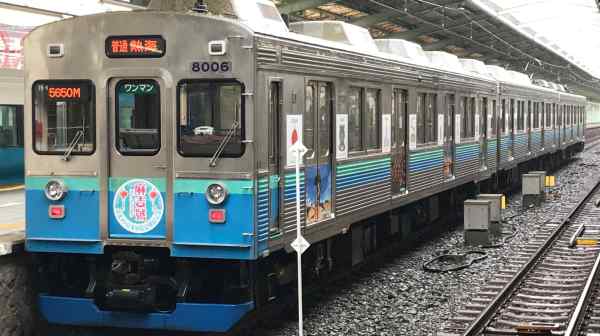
point(211, 118)
point(138, 117)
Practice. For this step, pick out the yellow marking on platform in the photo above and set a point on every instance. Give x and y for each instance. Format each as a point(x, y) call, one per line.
point(503, 203)
point(12, 188)
point(587, 242)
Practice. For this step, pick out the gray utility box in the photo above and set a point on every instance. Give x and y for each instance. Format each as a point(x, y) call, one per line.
point(542, 175)
point(477, 222)
point(495, 212)
point(532, 190)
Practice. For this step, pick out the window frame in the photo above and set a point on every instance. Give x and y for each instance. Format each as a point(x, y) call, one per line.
point(93, 124)
point(361, 126)
point(467, 127)
point(18, 123)
point(117, 127)
point(378, 122)
point(494, 118)
point(242, 114)
point(363, 116)
point(430, 134)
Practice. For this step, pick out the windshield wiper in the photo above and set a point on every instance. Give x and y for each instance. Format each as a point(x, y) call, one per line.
point(224, 142)
point(78, 136)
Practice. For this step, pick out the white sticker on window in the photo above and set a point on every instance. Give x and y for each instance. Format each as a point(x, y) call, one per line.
point(386, 134)
point(294, 133)
point(341, 136)
point(412, 131)
point(457, 128)
point(440, 129)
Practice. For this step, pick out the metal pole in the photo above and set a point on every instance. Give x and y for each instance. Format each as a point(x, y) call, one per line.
point(298, 237)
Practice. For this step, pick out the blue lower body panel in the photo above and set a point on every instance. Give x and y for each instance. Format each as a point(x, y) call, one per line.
point(185, 317)
point(11, 165)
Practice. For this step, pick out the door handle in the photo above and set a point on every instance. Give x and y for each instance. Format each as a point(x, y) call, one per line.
point(163, 166)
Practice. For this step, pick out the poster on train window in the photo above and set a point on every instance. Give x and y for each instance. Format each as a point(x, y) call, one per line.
point(386, 134)
point(412, 131)
point(477, 127)
point(457, 128)
point(341, 145)
point(440, 126)
point(294, 133)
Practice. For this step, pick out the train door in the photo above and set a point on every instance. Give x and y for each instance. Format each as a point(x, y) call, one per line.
point(318, 158)
point(276, 179)
point(483, 131)
point(138, 169)
point(529, 118)
point(449, 134)
point(400, 145)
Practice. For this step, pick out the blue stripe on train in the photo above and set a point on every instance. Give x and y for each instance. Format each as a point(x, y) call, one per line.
point(11, 165)
point(78, 232)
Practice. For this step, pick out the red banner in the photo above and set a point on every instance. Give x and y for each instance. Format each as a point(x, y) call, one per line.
point(11, 46)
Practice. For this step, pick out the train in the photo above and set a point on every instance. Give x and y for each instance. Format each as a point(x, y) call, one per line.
point(160, 186)
point(11, 127)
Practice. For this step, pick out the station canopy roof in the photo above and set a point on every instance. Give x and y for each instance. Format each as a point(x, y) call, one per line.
point(32, 13)
point(555, 40)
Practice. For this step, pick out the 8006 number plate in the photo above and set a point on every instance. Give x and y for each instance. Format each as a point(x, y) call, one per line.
point(205, 67)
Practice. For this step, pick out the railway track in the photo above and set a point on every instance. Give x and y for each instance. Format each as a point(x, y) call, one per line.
point(538, 290)
point(585, 320)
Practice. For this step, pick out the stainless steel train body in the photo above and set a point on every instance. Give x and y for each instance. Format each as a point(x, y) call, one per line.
point(11, 126)
point(160, 191)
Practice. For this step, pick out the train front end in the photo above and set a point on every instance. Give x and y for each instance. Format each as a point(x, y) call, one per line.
point(139, 171)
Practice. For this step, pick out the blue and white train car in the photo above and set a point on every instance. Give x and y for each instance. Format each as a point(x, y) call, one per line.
point(11, 126)
point(160, 182)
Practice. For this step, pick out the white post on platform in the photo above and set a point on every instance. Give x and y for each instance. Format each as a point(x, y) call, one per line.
point(299, 244)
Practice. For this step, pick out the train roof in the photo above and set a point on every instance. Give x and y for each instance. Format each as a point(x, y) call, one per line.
point(408, 50)
point(476, 67)
point(445, 61)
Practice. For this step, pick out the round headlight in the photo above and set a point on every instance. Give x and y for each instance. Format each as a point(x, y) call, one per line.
point(216, 194)
point(55, 190)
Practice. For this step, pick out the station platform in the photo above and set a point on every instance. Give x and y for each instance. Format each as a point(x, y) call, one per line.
point(12, 218)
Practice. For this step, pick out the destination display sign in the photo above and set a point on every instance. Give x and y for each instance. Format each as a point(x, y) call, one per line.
point(68, 91)
point(139, 46)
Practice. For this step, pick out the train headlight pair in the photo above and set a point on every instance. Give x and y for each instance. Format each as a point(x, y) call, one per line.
point(216, 194)
point(55, 190)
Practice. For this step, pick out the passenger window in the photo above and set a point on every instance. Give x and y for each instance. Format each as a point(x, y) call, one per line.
point(426, 118)
point(494, 119)
point(504, 116)
point(421, 137)
point(275, 104)
point(512, 114)
point(373, 119)
point(468, 117)
point(211, 114)
point(138, 117)
point(308, 120)
point(399, 108)
point(11, 126)
point(64, 117)
point(324, 119)
point(355, 106)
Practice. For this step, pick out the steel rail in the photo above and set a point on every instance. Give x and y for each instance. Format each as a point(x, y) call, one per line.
point(579, 313)
point(486, 316)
